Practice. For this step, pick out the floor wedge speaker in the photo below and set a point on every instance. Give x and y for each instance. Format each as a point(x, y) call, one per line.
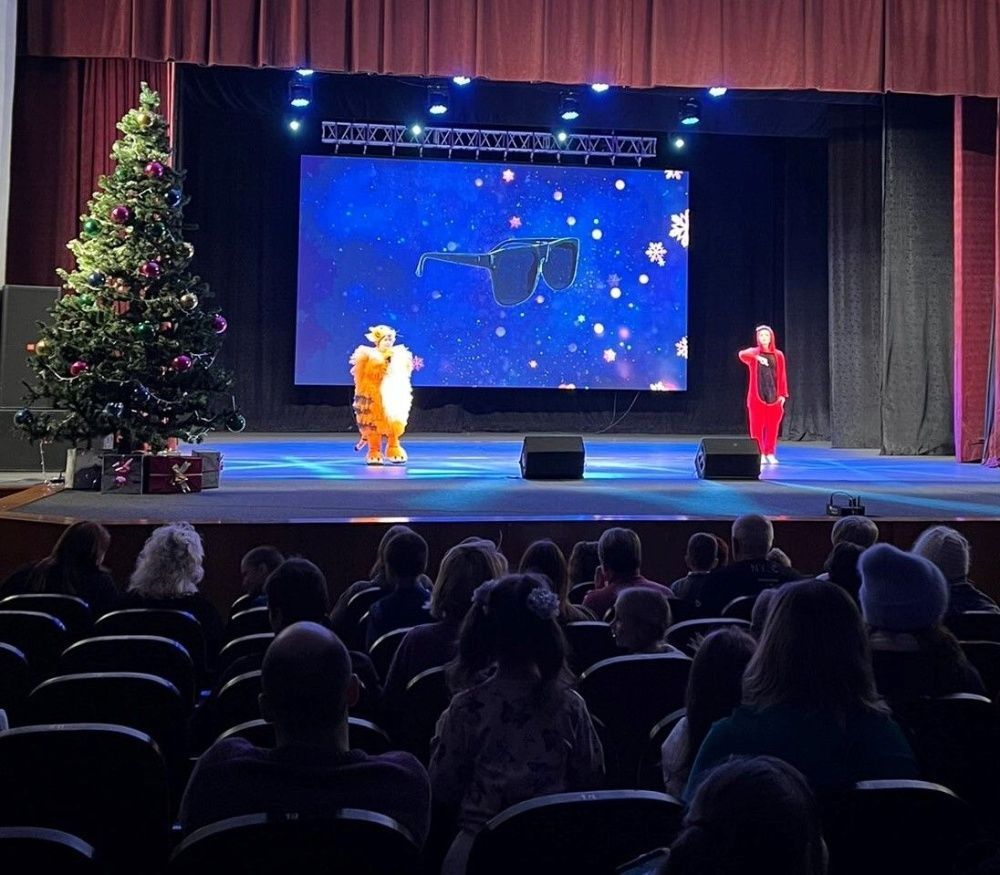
point(552, 457)
point(722, 458)
point(21, 307)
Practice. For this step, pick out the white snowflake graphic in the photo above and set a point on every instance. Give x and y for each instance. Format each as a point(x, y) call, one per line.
point(658, 386)
point(614, 280)
point(610, 355)
point(679, 228)
point(682, 347)
point(656, 252)
point(673, 174)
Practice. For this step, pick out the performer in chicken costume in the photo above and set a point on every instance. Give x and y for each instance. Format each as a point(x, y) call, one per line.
point(382, 394)
point(767, 391)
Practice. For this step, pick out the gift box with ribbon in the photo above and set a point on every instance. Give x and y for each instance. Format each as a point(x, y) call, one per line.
point(173, 474)
point(211, 468)
point(124, 474)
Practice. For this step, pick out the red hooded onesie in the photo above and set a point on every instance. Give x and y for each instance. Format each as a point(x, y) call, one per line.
point(767, 388)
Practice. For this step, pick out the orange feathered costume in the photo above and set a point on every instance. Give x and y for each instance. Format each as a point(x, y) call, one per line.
point(382, 394)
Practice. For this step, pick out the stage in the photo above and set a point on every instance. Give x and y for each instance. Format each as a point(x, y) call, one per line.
point(311, 478)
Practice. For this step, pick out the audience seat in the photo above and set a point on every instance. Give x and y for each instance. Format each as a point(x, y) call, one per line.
point(143, 702)
point(740, 608)
point(384, 648)
point(682, 610)
point(27, 849)
point(148, 654)
point(241, 648)
point(238, 700)
point(975, 626)
point(589, 642)
point(630, 695)
point(650, 773)
point(352, 625)
point(578, 590)
point(180, 626)
point(578, 833)
point(362, 735)
point(902, 676)
point(106, 784)
point(74, 613)
point(985, 658)
point(40, 637)
point(243, 603)
point(253, 621)
point(15, 678)
point(354, 841)
point(911, 827)
point(687, 635)
point(424, 701)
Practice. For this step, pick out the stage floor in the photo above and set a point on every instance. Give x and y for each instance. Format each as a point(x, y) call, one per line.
point(273, 478)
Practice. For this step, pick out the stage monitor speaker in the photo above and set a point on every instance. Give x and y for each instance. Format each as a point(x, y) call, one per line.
point(552, 457)
point(20, 308)
point(16, 454)
point(722, 458)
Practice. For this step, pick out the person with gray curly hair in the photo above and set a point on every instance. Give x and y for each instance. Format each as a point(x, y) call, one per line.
point(166, 575)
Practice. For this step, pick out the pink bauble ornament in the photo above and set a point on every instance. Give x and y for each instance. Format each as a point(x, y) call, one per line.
point(77, 368)
point(150, 269)
point(154, 170)
point(181, 363)
point(219, 323)
point(120, 214)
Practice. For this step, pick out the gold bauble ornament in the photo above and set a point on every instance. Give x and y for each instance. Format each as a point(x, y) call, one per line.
point(43, 347)
point(144, 119)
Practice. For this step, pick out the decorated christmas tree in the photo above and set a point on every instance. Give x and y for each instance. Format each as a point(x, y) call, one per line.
point(131, 346)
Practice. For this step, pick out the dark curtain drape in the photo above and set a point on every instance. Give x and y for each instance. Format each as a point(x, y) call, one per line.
point(246, 248)
point(833, 45)
point(917, 277)
point(855, 259)
point(64, 115)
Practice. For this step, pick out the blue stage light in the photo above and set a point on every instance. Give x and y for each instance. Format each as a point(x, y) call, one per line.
point(677, 141)
point(600, 87)
point(569, 109)
point(717, 91)
point(300, 94)
point(690, 112)
point(416, 130)
point(294, 125)
point(561, 136)
point(305, 71)
point(461, 80)
point(437, 101)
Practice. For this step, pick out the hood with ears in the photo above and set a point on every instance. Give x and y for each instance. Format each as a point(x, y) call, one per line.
point(774, 338)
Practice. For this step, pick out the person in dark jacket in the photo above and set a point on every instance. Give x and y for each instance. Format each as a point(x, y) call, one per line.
point(949, 551)
point(406, 603)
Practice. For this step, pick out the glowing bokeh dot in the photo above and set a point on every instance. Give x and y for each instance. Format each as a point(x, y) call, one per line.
point(532, 364)
point(539, 299)
point(597, 233)
point(557, 195)
point(501, 331)
point(571, 220)
point(615, 293)
point(643, 278)
point(479, 183)
point(598, 329)
point(620, 184)
point(572, 347)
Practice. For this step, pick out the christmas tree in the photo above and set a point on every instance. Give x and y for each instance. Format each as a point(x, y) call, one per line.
point(131, 346)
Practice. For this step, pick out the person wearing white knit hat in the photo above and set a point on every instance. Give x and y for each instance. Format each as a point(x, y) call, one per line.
point(949, 551)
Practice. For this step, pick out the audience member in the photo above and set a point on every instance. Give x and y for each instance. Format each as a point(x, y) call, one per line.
point(620, 553)
point(642, 617)
point(761, 611)
point(841, 567)
point(167, 573)
point(809, 697)
point(74, 567)
point(949, 551)
point(545, 557)
point(583, 562)
point(701, 558)
point(723, 550)
point(776, 554)
point(255, 566)
point(904, 598)
point(749, 572)
point(464, 567)
point(715, 689)
point(406, 603)
point(522, 732)
point(752, 814)
point(307, 688)
point(854, 530)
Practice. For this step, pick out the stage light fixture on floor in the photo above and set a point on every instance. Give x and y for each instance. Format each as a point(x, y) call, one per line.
point(690, 112)
point(717, 91)
point(461, 80)
point(300, 94)
point(305, 71)
point(569, 109)
point(599, 87)
point(437, 101)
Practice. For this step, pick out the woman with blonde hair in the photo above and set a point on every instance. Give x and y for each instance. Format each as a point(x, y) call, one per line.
point(167, 573)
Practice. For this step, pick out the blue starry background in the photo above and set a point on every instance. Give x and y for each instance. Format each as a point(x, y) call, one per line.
point(364, 223)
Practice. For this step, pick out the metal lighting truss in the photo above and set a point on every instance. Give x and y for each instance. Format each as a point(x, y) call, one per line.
point(435, 139)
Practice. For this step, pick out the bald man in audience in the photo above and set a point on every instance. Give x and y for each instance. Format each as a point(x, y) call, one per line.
point(307, 687)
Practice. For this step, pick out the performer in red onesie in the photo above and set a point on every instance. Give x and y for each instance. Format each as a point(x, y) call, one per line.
point(767, 391)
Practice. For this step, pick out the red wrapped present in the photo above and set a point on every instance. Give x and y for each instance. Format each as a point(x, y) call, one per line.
point(173, 474)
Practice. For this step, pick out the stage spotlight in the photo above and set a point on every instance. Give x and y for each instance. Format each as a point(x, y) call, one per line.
point(416, 130)
point(461, 80)
point(569, 109)
point(717, 91)
point(677, 141)
point(437, 101)
point(305, 71)
point(300, 94)
point(600, 87)
point(294, 125)
point(690, 112)
point(561, 137)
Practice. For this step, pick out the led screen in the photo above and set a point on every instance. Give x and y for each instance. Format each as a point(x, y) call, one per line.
point(495, 275)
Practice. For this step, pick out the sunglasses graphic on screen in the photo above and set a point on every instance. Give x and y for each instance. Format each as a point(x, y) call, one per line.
point(515, 265)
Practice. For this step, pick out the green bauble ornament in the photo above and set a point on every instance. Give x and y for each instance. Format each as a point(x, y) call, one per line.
point(85, 299)
point(91, 227)
point(156, 230)
point(145, 331)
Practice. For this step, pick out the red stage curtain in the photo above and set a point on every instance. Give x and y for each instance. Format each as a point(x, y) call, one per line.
point(823, 44)
point(64, 114)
